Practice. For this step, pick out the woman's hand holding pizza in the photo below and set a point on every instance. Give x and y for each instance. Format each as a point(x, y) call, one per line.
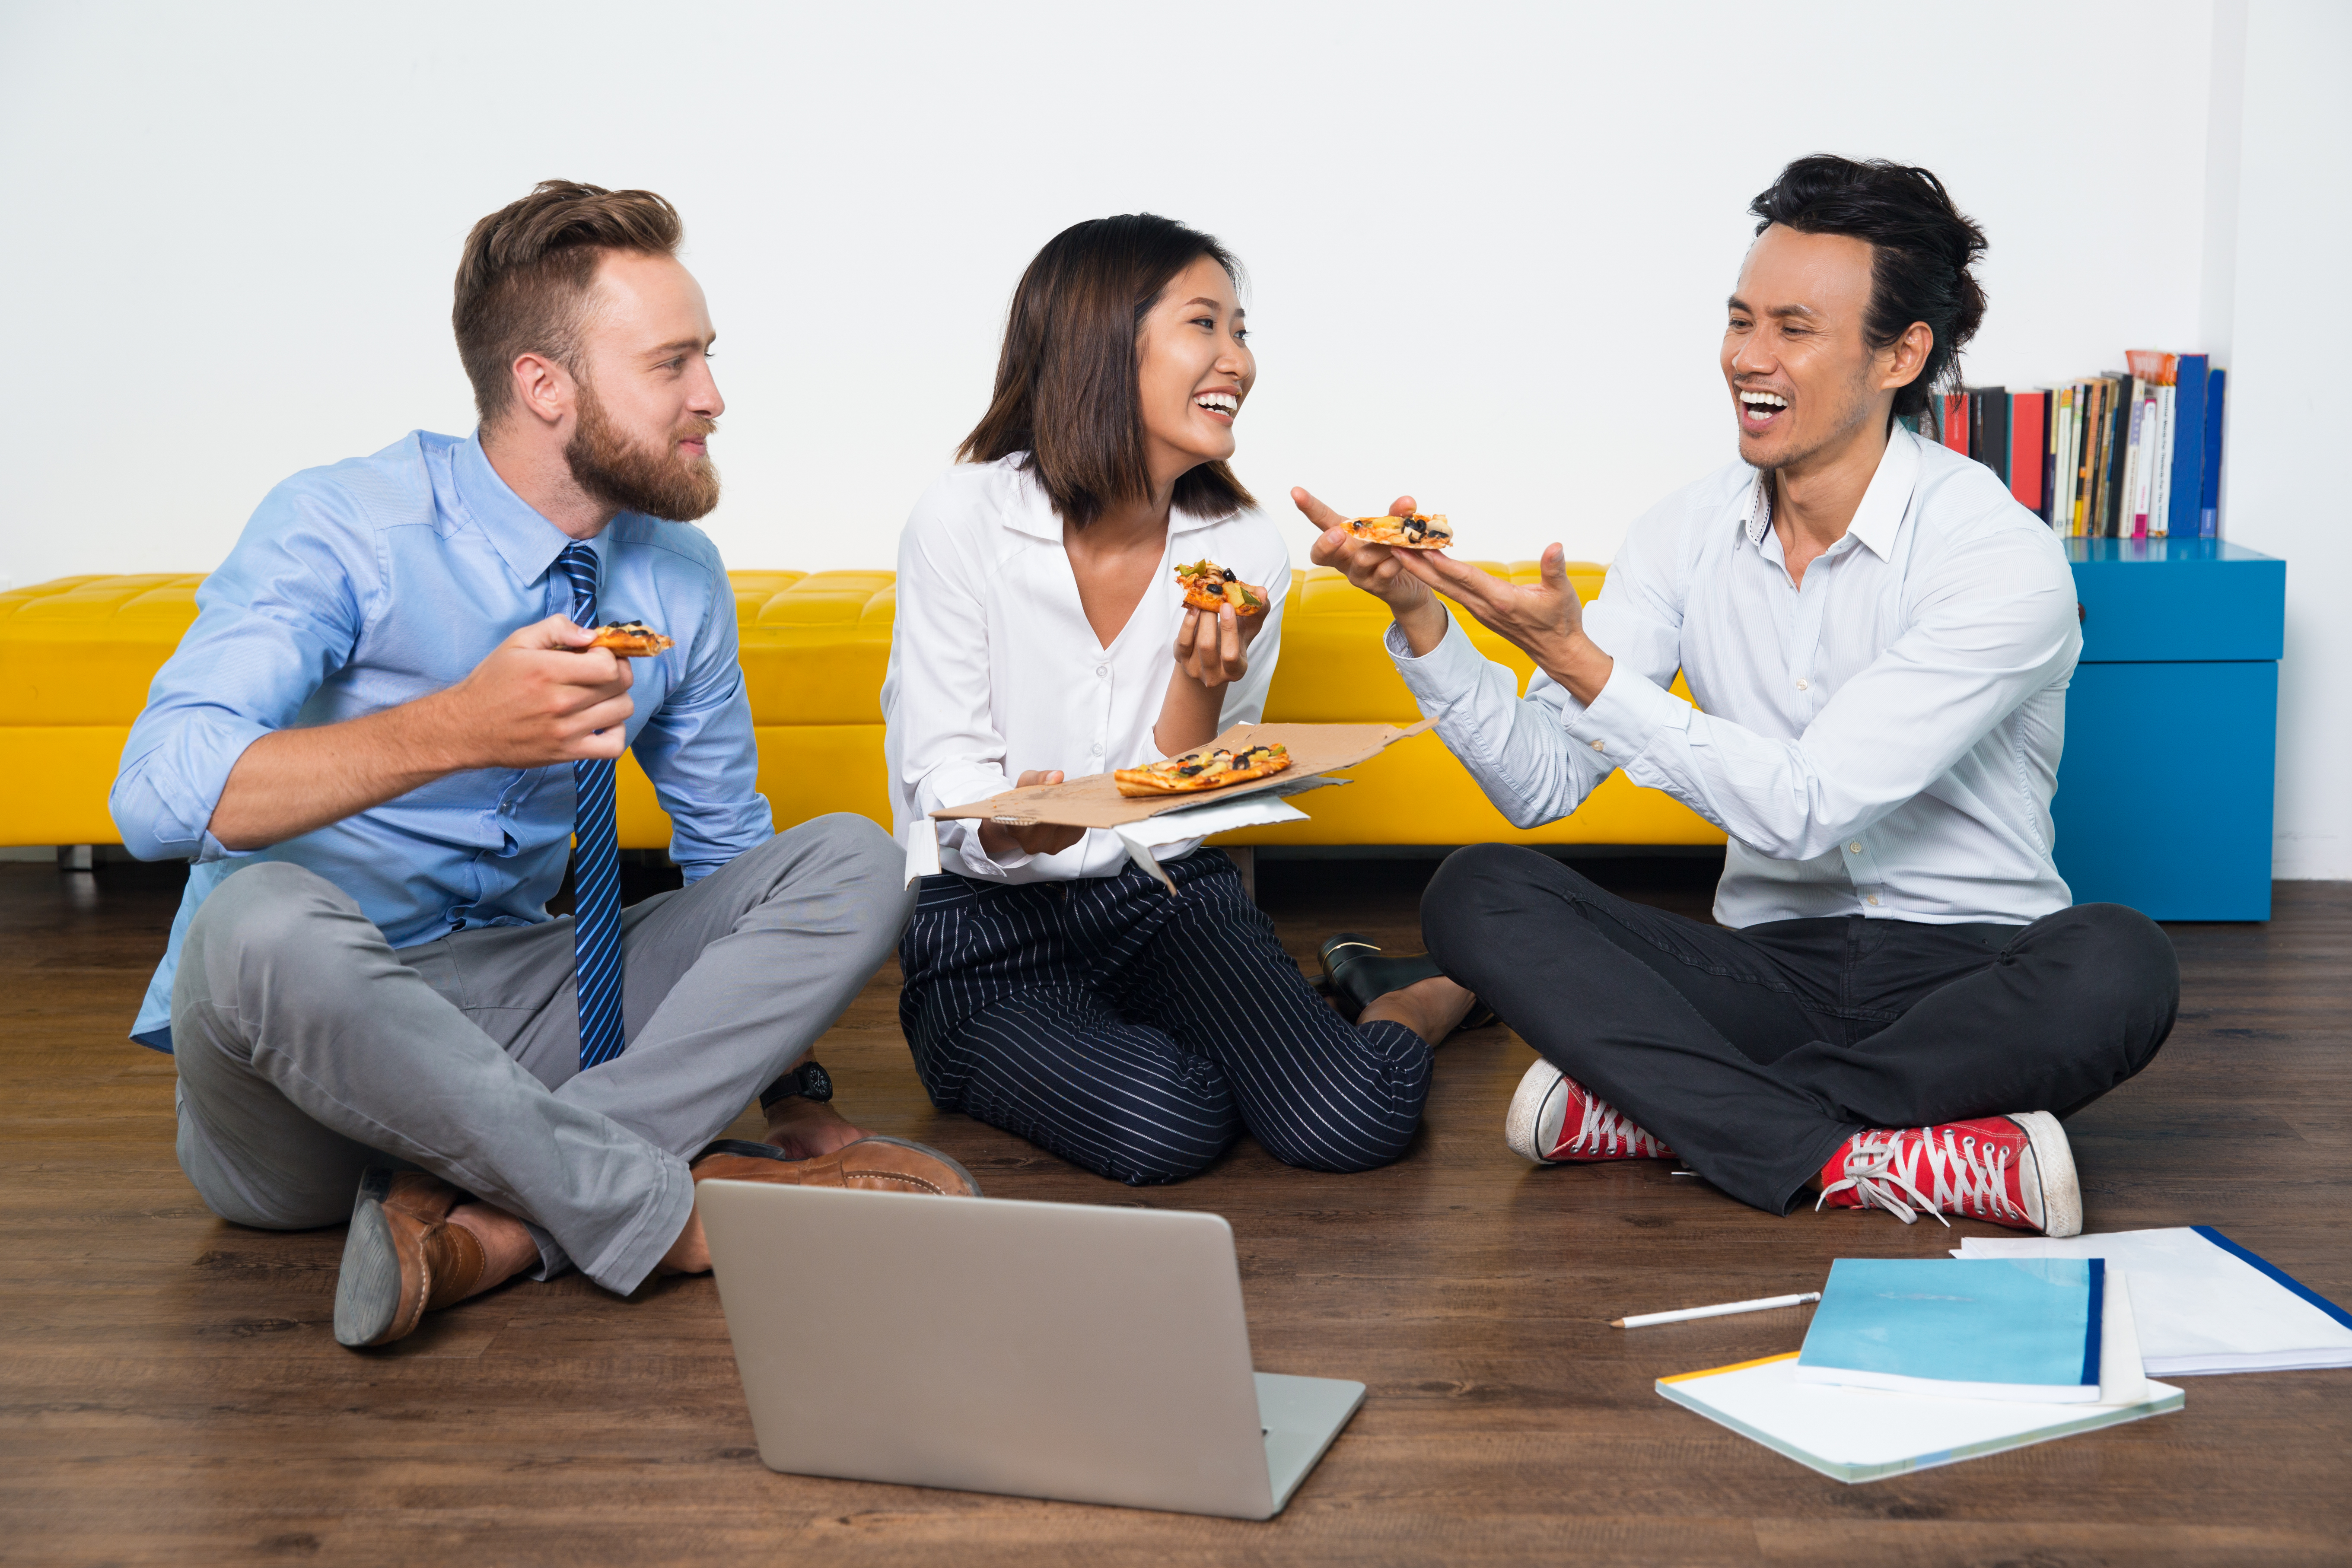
point(1045, 838)
point(1213, 647)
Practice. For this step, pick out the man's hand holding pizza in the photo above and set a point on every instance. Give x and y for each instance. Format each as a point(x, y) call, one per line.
point(1544, 620)
point(543, 696)
point(1378, 570)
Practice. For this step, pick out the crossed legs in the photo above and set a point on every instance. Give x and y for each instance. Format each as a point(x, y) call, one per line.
point(1756, 1054)
point(309, 1050)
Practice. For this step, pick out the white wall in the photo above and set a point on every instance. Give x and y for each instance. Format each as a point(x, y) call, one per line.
point(2287, 445)
point(1489, 244)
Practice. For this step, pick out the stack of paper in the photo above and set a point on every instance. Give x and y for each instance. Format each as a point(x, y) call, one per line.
point(1863, 1434)
point(2023, 1329)
point(2203, 1303)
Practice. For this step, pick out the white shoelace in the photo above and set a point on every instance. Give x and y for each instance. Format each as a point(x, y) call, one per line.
point(1605, 1130)
point(1883, 1172)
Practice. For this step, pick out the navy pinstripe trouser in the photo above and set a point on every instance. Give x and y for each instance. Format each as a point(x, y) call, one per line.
point(1138, 1034)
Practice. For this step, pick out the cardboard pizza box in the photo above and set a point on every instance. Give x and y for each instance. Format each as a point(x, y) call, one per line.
point(1094, 800)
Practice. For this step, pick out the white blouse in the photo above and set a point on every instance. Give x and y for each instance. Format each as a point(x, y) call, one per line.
point(994, 671)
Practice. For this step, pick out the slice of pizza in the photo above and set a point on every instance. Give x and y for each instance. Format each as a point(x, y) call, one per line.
point(631, 639)
point(1419, 532)
point(1209, 586)
point(1203, 769)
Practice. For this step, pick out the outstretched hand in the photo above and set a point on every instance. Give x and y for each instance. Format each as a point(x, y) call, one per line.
point(1544, 619)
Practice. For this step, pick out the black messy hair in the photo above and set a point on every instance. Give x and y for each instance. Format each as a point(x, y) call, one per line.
point(1921, 249)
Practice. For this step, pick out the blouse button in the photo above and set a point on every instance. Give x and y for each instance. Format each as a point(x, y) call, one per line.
point(1102, 669)
point(1802, 686)
point(1855, 847)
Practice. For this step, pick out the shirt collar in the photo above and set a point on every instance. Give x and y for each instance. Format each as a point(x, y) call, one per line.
point(524, 540)
point(1032, 512)
point(1884, 505)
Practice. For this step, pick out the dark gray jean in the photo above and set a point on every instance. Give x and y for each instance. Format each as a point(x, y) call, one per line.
point(1755, 1053)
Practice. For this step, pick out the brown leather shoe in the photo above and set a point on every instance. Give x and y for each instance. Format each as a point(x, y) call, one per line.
point(402, 1259)
point(876, 1164)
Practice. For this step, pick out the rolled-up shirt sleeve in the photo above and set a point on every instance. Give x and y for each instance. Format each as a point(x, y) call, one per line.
point(282, 615)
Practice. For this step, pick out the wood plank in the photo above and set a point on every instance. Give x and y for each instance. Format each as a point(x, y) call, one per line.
point(170, 1392)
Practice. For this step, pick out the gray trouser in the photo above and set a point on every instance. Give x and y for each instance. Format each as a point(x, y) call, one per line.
point(309, 1050)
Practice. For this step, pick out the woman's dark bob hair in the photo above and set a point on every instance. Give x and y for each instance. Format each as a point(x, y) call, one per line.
point(1921, 249)
point(1065, 383)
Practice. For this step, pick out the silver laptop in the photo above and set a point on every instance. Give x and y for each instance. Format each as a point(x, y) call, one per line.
point(1065, 1351)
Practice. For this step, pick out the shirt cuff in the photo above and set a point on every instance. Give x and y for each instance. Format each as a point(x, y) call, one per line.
point(960, 838)
point(210, 850)
point(1620, 722)
point(1443, 676)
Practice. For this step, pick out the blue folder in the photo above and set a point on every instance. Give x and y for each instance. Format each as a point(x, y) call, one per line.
point(2024, 1328)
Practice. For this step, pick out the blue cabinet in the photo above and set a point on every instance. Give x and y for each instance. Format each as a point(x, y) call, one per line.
point(2166, 784)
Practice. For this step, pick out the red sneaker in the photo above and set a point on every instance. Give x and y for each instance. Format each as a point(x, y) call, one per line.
point(2015, 1171)
point(1555, 1120)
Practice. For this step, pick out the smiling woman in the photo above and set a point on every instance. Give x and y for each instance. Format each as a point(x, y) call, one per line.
point(1103, 301)
point(1052, 988)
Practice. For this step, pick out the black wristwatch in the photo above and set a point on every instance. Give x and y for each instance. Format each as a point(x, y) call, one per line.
point(807, 1081)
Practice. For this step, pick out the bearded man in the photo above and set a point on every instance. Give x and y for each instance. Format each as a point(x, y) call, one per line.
point(380, 742)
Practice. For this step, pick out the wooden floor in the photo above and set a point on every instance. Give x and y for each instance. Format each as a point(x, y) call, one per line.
point(170, 1392)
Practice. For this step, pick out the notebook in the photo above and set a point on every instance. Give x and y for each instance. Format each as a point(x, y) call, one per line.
point(2024, 1328)
point(1866, 1434)
point(2204, 1304)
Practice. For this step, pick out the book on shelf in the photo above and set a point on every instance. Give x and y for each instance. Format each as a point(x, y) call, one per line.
point(2124, 454)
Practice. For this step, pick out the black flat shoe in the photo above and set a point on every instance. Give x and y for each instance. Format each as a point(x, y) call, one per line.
point(1355, 972)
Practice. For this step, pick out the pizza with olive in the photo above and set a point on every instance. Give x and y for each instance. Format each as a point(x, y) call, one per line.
point(1203, 769)
point(1419, 532)
point(1209, 586)
point(631, 639)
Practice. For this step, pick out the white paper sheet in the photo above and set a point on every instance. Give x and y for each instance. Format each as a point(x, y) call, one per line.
point(1195, 822)
point(2200, 1308)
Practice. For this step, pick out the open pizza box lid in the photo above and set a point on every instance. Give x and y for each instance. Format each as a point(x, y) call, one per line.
point(1094, 800)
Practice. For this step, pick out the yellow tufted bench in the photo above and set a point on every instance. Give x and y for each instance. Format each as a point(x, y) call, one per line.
point(77, 654)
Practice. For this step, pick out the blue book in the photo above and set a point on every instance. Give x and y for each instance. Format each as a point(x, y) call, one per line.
point(2209, 493)
point(1956, 1327)
point(2188, 491)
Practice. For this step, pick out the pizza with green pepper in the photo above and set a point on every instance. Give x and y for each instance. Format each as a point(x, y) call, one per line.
point(1209, 586)
point(1203, 769)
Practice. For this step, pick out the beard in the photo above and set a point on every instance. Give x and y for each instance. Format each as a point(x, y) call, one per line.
point(655, 480)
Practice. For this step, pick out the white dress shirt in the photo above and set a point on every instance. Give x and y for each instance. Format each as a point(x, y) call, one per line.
point(994, 671)
point(1882, 741)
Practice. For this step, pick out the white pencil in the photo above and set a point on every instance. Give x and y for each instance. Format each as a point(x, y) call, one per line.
point(1646, 1319)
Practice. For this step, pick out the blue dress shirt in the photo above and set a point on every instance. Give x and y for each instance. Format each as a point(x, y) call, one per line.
point(381, 580)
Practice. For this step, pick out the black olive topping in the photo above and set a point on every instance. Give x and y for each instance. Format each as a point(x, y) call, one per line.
point(1229, 575)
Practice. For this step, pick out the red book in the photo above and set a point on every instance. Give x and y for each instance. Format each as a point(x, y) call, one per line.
point(1956, 422)
point(2026, 418)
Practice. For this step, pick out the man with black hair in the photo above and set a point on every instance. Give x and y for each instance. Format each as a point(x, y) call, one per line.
point(1900, 1002)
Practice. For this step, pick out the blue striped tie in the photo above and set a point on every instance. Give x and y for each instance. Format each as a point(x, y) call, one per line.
point(596, 865)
